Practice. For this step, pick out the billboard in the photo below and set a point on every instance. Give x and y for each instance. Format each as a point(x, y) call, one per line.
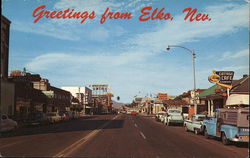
point(100, 88)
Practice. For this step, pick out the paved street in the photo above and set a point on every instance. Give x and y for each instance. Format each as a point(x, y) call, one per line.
point(114, 136)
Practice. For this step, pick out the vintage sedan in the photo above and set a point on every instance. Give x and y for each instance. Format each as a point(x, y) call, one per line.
point(173, 116)
point(7, 124)
point(53, 117)
point(195, 124)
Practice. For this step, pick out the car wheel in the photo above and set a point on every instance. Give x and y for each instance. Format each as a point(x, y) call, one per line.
point(196, 131)
point(206, 134)
point(224, 139)
point(168, 123)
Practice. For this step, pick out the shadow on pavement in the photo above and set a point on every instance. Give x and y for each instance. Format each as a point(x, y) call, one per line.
point(81, 124)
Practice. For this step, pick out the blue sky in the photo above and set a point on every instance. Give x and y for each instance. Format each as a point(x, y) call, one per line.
point(129, 55)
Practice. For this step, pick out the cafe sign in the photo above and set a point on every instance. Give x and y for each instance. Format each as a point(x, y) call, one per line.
point(222, 78)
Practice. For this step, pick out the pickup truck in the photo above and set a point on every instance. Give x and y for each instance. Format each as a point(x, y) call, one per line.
point(195, 124)
point(230, 125)
point(173, 116)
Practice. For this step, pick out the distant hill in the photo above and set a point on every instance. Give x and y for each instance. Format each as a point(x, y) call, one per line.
point(117, 105)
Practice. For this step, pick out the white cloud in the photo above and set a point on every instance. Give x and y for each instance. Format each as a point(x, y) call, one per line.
point(89, 5)
point(75, 33)
point(99, 6)
point(230, 55)
point(47, 29)
point(130, 71)
point(101, 33)
point(180, 31)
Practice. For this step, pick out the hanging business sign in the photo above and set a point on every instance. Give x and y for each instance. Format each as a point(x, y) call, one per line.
point(222, 78)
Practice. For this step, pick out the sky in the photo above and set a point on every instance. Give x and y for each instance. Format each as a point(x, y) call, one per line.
point(128, 54)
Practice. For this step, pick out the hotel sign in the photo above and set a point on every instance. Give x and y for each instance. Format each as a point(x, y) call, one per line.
point(222, 78)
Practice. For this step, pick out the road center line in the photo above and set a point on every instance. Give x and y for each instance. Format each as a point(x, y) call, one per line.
point(80, 142)
point(136, 125)
point(143, 136)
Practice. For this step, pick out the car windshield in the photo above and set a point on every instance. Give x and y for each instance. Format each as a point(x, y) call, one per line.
point(174, 111)
point(201, 118)
point(162, 113)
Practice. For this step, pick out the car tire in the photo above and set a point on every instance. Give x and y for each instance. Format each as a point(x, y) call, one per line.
point(224, 139)
point(196, 131)
point(168, 123)
point(206, 134)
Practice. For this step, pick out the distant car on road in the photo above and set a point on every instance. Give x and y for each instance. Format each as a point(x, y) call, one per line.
point(7, 124)
point(134, 113)
point(195, 124)
point(173, 116)
point(75, 115)
point(53, 117)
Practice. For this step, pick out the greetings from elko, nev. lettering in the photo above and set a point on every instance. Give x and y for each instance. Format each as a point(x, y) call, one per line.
point(147, 13)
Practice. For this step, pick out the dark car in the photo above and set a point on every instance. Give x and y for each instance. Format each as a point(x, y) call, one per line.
point(36, 118)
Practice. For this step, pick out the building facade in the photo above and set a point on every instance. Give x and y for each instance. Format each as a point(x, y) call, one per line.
point(7, 89)
point(5, 32)
point(83, 94)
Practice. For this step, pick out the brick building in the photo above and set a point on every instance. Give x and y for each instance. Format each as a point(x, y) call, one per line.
point(7, 89)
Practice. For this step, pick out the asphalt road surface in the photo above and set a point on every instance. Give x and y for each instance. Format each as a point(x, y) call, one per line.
point(114, 136)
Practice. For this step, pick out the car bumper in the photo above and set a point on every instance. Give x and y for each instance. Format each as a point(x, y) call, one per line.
point(240, 139)
point(176, 121)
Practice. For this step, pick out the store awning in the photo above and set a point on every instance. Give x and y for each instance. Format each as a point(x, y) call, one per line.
point(237, 99)
point(210, 91)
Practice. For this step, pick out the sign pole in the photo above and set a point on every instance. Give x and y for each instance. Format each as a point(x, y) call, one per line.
point(195, 103)
point(227, 92)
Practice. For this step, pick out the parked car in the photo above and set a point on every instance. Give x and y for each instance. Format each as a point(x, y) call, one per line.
point(64, 115)
point(230, 125)
point(75, 115)
point(159, 115)
point(173, 116)
point(70, 114)
point(36, 118)
point(7, 124)
point(195, 124)
point(53, 117)
point(162, 117)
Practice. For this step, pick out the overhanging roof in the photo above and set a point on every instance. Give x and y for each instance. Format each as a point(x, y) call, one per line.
point(210, 91)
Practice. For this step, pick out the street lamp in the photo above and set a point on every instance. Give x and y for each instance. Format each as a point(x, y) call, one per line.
point(194, 81)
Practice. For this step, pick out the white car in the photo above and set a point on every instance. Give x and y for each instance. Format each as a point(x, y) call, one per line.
point(195, 124)
point(174, 116)
point(7, 124)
